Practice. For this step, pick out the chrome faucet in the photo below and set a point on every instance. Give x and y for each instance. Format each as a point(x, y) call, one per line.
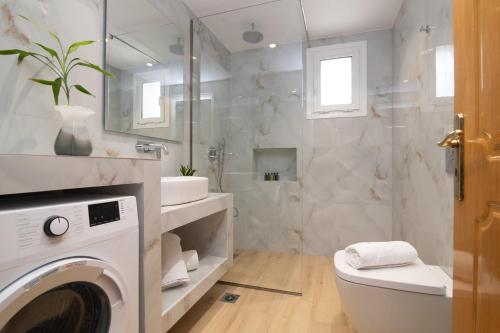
point(148, 147)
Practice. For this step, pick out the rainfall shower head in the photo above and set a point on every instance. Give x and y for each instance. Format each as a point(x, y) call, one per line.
point(253, 36)
point(177, 48)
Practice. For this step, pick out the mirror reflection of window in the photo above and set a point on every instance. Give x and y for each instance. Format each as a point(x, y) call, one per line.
point(145, 50)
point(151, 95)
point(151, 98)
point(445, 71)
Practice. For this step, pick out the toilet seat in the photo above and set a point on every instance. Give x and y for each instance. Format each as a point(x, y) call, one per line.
point(416, 277)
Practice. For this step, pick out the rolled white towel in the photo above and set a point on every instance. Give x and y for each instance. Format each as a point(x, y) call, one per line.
point(191, 260)
point(380, 254)
point(173, 267)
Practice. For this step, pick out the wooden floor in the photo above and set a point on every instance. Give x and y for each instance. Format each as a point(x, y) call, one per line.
point(271, 270)
point(317, 310)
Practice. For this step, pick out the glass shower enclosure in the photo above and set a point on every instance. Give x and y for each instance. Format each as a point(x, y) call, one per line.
point(247, 121)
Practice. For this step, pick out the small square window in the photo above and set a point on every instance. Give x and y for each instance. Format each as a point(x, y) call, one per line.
point(336, 81)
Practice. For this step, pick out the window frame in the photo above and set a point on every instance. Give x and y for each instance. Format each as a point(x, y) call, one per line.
point(359, 106)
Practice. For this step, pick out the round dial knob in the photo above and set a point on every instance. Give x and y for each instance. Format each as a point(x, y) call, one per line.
point(56, 226)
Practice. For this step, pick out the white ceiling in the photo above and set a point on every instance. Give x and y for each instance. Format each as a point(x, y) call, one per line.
point(281, 20)
point(140, 24)
point(327, 18)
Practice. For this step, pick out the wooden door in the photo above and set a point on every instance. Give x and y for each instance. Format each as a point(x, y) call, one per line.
point(476, 302)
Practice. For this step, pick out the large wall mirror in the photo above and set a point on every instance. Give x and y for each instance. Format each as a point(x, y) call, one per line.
point(145, 52)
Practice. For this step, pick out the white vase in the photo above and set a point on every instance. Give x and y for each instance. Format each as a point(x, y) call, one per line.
point(74, 137)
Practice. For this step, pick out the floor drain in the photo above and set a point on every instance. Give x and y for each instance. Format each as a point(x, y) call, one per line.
point(230, 298)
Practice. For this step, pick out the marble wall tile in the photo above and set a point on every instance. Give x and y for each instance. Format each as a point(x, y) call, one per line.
point(269, 216)
point(212, 100)
point(359, 179)
point(423, 191)
point(343, 191)
point(329, 226)
point(347, 163)
point(266, 112)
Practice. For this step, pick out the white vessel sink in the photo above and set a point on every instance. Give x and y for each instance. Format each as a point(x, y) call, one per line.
point(180, 190)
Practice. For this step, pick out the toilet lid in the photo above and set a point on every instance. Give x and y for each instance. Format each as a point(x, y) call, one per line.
point(416, 277)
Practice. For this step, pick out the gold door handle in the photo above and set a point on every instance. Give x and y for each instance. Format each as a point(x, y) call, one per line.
point(452, 139)
point(455, 139)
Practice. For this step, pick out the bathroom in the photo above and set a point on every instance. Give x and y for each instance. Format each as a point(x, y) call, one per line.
point(249, 166)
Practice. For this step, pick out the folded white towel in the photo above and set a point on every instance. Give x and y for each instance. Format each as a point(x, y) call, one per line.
point(173, 267)
point(191, 260)
point(380, 254)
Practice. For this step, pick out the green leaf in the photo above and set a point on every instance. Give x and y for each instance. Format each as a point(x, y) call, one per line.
point(45, 82)
point(94, 67)
point(21, 57)
point(80, 88)
point(55, 36)
point(73, 47)
point(184, 170)
point(56, 88)
point(11, 52)
point(187, 171)
point(50, 51)
point(24, 17)
point(22, 54)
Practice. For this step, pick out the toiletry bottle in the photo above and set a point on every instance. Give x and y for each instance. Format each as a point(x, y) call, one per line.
point(277, 176)
point(267, 177)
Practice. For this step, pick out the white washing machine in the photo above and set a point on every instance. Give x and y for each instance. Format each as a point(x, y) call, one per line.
point(69, 265)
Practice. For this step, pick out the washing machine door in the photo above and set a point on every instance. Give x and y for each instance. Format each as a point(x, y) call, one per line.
point(78, 295)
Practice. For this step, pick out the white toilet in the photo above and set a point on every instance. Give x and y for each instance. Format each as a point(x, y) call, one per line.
point(408, 299)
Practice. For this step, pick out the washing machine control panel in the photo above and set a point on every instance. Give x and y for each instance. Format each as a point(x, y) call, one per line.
point(56, 226)
point(105, 212)
point(47, 227)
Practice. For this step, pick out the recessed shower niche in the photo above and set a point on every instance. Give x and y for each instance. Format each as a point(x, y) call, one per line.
point(275, 160)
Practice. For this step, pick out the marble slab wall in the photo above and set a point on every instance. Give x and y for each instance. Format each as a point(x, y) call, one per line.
point(28, 124)
point(266, 112)
point(347, 171)
point(211, 103)
point(423, 191)
point(343, 189)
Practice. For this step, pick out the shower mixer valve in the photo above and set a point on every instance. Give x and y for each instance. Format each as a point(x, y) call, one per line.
point(212, 153)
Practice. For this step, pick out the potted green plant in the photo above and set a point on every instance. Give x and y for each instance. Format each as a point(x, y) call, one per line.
point(187, 171)
point(73, 137)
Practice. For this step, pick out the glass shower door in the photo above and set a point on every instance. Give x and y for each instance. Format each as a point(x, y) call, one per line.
point(248, 120)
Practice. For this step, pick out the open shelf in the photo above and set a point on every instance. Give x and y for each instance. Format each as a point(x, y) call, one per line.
point(205, 226)
point(176, 301)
